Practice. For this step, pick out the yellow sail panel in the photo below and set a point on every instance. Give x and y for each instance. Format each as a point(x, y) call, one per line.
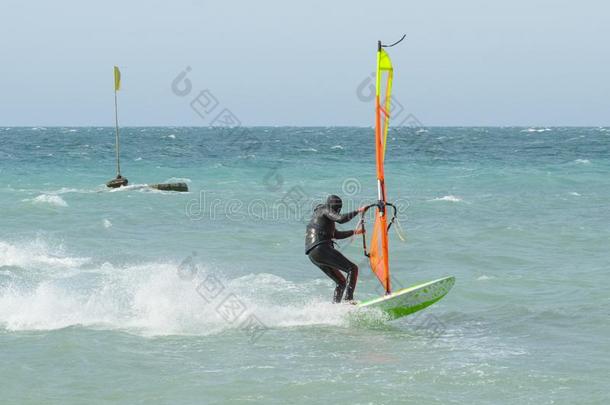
point(385, 63)
point(117, 79)
point(387, 107)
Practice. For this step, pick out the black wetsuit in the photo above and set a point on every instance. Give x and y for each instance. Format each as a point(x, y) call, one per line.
point(319, 246)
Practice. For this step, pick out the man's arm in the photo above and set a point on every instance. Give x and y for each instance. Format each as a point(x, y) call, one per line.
point(333, 216)
point(343, 234)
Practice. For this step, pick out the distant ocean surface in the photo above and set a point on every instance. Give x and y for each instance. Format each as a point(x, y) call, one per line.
point(139, 296)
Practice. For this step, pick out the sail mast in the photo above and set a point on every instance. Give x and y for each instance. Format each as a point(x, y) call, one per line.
point(116, 123)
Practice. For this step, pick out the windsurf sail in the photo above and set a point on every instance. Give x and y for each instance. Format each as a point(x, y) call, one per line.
point(378, 254)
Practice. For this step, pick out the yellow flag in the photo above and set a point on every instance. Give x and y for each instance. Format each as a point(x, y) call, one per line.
point(117, 79)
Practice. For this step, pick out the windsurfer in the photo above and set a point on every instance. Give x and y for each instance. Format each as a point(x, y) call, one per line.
point(319, 247)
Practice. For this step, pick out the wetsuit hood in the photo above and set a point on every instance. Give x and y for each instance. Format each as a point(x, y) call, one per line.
point(334, 203)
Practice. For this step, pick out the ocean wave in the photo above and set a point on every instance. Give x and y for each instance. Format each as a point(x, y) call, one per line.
point(536, 130)
point(451, 198)
point(66, 190)
point(35, 254)
point(178, 180)
point(129, 187)
point(582, 161)
point(156, 298)
point(48, 199)
point(337, 147)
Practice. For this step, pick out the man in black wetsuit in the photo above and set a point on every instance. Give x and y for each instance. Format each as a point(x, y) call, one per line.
point(319, 246)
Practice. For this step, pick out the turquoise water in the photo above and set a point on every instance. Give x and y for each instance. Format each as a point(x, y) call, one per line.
point(123, 296)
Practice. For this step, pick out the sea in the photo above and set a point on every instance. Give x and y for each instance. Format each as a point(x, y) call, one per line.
point(141, 296)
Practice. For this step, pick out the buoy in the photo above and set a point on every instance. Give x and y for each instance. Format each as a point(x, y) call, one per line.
point(120, 181)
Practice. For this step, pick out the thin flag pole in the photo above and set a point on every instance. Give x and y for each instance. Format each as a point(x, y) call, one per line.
point(119, 181)
point(116, 122)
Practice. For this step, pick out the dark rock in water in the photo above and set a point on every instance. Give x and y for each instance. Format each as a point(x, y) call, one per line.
point(120, 181)
point(171, 186)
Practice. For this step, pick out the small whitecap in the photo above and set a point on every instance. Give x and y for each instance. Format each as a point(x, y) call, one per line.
point(536, 130)
point(450, 198)
point(179, 179)
point(582, 161)
point(574, 193)
point(49, 199)
point(337, 147)
point(483, 278)
point(107, 223)
point(137, 159)
point(171, 136)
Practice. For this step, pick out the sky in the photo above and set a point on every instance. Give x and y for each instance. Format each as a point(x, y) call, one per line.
point(463, 63)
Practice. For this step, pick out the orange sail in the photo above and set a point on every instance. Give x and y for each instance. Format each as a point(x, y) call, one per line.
point(378, 256)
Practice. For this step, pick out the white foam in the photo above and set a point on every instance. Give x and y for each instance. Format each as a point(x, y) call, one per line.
point(36, 254)
point(171, 136)
point(536, 130)
point(66, 190)
point(582, 161)
point(107, 223)
point(337, 147)
point(129, 187)
point(178, 180)
point(152, 299)
point(49, 199)
point(574, 193)
point(450, 198)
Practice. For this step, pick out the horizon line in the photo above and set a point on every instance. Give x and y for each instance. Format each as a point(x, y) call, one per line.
point(305, 126)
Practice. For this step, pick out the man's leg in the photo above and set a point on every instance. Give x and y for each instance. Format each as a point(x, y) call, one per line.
point(333, 259)
point(334, 275)
point(339, 279)
point(337, 260)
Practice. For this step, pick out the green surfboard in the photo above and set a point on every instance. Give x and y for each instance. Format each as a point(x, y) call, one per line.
point(409, 300)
